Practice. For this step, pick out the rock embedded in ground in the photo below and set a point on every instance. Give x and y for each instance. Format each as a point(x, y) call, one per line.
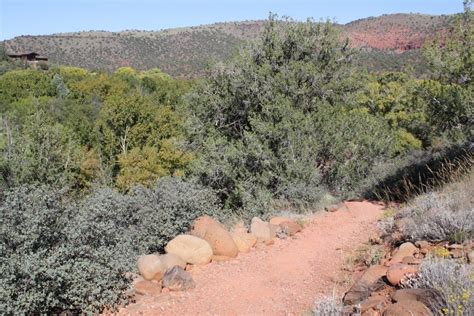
point(146, 287)
point(336, 207)
point(176, 279)
point(405, 250)
point(429, 297)
point(243, 240)
point(376, 303)
point(151, 267)
point(397, 272)
point(261, 230)
point(367, 283)
point(216, 235)
point(191, 249)
point(291, 227)
point(277, 220)
point(408, 307)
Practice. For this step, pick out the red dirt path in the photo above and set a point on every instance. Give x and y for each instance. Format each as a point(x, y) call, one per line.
point(281, 279)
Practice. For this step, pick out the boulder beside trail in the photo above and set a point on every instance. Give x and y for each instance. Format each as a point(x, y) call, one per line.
point(337, 207)
point(243, 240)
point(397, 272)
point(191, 249)
point(291, 227)
point(431, 298)
point(176, 279)
point(263, 231)
point(279, 219)
point(216, 235)
point(151, 267)
point(367, 283)
point(148, 288)
point(408, 307)
point(405, 250)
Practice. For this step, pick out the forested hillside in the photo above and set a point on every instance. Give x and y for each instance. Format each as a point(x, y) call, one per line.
point(99, 167)
point(186, 52)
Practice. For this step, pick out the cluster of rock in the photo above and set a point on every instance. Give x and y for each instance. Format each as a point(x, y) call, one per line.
point(379, 291)
point(208, 240)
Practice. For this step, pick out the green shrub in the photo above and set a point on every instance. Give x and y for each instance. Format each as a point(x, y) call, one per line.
point(58, 254)
point(447, 214)
point(452, 280)
point(44, 270)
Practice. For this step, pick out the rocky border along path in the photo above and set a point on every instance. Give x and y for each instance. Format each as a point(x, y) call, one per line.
point(280, 279)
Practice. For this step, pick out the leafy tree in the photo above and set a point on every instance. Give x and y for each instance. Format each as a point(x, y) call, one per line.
point(254, 120)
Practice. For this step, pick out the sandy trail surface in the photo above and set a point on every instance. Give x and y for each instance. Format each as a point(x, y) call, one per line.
point(281, 279)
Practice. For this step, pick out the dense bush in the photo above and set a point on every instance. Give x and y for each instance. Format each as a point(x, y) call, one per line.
point(447, 214)
point(271, 124)
point(58, 254)
point(328, 306)
point(453, 280)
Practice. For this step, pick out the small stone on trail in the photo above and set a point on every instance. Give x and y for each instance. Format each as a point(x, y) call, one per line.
point(176, 279)
point(148, 288)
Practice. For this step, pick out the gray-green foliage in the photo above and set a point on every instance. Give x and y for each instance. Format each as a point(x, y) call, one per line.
point(59, 254)
point(37, 150)
point(261, 127)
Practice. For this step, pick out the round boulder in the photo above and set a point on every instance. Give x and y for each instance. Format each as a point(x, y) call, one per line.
point(261, 230)
point(397, 272)
point(407, 308)
point(191, 249)
point(216, 235)
point(148, 288)
point(405, 250)
point(151, 267)
point(176, 279)
point(244, 241)
point(278, 220)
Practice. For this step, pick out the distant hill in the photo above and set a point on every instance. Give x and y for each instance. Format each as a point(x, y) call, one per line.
point(187, 51)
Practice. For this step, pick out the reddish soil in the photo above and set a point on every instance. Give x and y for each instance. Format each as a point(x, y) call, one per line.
point(281, 279)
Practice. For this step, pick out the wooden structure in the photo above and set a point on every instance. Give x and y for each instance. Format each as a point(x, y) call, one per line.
point(29, 58)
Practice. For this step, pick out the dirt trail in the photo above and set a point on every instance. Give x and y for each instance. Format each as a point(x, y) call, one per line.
point(281, 279)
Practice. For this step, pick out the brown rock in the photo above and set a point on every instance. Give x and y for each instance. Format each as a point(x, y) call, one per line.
point(278, 220)
point(291, 227)
point(151, 267)
point(240, 228)
point(405, 250)
point(397, 272)
point(367, 283)
point(261, 230)
point(371, 312)
point(407, 308)
point(470, 256)
point(429, 297)
point(243, 240)
point(216, 235)
point(336, 207)
point(376, 303)
point(410, 260)
point(422, 244)
point(170, 260)
point(191, 249)
point(176, 279)
point(148, 288)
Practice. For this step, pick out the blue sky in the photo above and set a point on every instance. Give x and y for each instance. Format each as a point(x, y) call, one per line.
point(28, 17)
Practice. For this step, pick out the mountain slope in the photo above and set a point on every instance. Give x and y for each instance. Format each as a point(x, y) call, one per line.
point(187, 51)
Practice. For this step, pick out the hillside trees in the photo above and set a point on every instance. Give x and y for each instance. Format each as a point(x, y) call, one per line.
point(451, 97)
point(260, 122)
point(72, 124)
